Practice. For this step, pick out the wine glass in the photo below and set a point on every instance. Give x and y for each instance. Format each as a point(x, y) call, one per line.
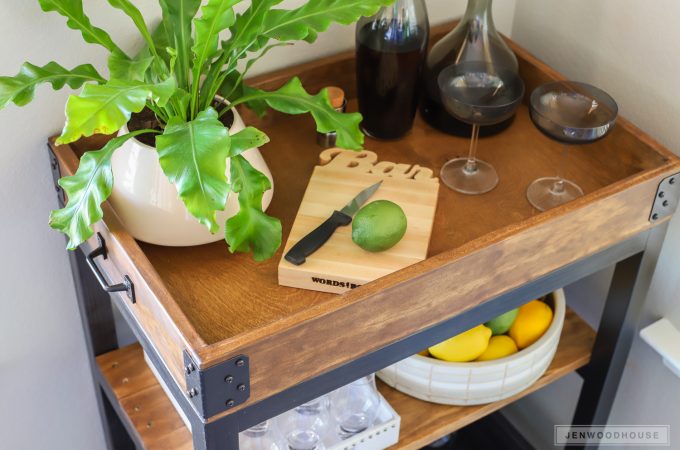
point(263, 436)
point(355, 406)
point(571, 113)
point(304, 427)
point(478, 94)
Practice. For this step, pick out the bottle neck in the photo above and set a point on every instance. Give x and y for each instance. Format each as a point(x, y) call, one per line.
point(480, 12)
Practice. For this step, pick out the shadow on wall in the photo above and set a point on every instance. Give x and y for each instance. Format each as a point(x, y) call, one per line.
point(618, 45)
point(629, 48)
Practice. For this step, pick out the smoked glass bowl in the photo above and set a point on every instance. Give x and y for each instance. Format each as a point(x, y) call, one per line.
point(572, 113)
point(478, 94)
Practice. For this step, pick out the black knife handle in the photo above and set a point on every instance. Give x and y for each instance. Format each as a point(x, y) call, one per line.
point(314, 240)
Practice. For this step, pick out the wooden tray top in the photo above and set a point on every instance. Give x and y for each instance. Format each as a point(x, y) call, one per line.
point(217, 305)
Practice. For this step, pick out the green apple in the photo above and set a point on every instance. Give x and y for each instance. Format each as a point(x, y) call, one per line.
point(502, 323)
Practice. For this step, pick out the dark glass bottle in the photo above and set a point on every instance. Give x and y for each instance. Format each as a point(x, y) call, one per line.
point(474, 39)
point(391, 48)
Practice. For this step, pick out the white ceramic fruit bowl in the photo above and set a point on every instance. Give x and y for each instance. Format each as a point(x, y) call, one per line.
point(476, 383)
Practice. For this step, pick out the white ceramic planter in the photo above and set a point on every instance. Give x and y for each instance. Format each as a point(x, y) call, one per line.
point(476, 383)
point(148, 204)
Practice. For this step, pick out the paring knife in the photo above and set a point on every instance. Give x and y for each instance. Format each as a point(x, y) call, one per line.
point(314, 240)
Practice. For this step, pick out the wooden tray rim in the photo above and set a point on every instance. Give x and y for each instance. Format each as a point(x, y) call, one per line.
point(211, 354)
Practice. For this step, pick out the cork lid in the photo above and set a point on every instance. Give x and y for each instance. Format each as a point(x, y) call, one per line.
point(337, 96)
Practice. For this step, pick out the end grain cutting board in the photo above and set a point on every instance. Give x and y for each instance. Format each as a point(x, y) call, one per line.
point(340, 264)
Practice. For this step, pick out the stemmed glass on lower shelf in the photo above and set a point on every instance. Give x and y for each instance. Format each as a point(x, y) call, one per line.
point(305, 426)
point(355, 406)
point(264, 436)
point(478, 94)
point(571, 113)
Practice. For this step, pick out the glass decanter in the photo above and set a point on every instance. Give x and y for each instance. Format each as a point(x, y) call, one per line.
point(390, 55)
point(474, 39)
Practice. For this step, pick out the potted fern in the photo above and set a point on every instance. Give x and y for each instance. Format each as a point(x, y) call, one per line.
point(173, 108)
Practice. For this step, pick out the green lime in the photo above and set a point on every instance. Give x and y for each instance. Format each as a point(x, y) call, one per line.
point(502, 323)
point(379, 226)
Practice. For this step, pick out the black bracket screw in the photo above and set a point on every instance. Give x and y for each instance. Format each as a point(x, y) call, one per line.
point(218, 388)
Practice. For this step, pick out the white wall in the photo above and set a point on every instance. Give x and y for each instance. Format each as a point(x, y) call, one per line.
point(47, 394)
point(342, 37)
point(629, 48)
point(45, 384)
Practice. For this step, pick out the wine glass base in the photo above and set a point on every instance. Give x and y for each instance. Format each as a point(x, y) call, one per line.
point(455, 175)
point(543, 196)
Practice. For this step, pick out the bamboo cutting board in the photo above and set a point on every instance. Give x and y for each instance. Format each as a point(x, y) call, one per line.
point(340, 264)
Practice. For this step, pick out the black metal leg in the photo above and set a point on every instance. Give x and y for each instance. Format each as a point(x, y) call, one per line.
point(120, 438)
point(617, 329)
point(213, 436)
point(100, 337)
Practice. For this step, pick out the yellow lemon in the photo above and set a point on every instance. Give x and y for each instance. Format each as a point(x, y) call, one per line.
point(532, 321)
point(424, 353)
point(463, 347)
point(499, 347)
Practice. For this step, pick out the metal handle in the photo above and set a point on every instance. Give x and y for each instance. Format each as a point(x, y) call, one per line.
point(125, 286)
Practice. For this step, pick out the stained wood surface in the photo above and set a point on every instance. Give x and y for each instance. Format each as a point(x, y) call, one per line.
point(212, 300)
point(340, 265)
point(160, 427)
point(219, 305)
point(147, 408)
point(520, 155)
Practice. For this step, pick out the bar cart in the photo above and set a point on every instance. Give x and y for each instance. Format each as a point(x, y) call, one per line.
point(234, 348)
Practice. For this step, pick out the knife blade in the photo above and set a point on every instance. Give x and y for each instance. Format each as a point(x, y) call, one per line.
point(313, 241)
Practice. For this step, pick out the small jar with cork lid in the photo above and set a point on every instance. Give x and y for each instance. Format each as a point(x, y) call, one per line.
point(339, 102)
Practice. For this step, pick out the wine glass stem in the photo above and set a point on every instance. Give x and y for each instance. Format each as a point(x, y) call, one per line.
point(471, 165)
point(558, 187)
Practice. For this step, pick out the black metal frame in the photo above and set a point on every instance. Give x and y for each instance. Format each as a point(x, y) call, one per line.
point(217, 388)
point(634, 261)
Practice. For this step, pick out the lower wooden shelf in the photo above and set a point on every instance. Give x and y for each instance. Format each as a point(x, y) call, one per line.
point(149, 411)
point(158, 426)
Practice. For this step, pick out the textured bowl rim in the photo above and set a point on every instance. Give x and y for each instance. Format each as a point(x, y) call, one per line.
point(545, 88)
point(554, 328)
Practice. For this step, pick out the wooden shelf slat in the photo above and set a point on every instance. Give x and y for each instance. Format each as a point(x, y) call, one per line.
point(148, 409)
point(159, 426)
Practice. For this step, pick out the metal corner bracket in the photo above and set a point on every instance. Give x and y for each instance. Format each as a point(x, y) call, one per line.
point(218, 388)
point(666, 199)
